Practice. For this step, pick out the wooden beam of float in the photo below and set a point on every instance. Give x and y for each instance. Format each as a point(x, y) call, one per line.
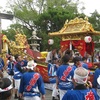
point(76, 29)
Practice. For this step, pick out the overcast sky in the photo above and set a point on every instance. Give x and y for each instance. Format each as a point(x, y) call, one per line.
point(90, 5)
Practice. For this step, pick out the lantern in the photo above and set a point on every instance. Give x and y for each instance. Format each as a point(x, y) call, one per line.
point(88, 39)
point(50, 41)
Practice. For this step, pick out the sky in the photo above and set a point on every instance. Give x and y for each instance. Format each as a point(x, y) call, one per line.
point(90, 5)
point(4, 22)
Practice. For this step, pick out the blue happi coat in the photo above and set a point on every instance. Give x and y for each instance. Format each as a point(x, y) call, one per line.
point(32, 84)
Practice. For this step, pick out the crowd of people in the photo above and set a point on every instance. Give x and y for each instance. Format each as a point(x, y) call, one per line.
point(69, 75)
point(22, 80)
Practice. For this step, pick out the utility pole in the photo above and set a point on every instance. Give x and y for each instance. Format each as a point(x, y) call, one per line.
point(3, 16)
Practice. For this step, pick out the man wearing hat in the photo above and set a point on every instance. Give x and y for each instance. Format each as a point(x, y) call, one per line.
point(32, 84)
point(81, 92)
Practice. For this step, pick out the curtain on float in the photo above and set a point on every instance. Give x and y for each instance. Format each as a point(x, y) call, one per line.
point(64, 45)
point(90, 48)
point(80, 45)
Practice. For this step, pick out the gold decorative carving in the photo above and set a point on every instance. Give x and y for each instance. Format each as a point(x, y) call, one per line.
point(75, 27)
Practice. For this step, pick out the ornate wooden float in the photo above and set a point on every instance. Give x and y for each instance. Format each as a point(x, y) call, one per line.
point(74, 33)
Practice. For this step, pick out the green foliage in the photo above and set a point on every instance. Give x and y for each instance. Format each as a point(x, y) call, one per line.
point(54, 18)
point(44, 43)
point(10, 34)
point(94, 19)
point(44, 16)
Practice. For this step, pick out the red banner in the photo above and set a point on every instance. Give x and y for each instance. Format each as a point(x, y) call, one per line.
point(80, 46)
point(90, 47)
point(64, 45)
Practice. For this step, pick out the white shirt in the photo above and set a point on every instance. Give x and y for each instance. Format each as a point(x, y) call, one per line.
point(49, 56)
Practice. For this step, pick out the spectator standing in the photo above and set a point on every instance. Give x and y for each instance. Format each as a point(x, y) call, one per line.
point(51, 55)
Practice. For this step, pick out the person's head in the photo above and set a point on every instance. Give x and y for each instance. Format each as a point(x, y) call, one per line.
point(10, 58)
point(84, 59)
point(18, 58)
point(65, 59)
point(87, 55)
point(54, 51)
point(54, 60)
point(31, 65)
point(5, 89)
point(80, 75)
point(76, 60)
point(77, 54)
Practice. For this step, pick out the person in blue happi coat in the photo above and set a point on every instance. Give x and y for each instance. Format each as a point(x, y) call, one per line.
point(96, 77)
point(80, 91)
point(52, 69)
point(1, 64)
point(65, 74)
point(32, 85)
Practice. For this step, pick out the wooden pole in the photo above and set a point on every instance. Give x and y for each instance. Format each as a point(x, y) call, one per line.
point(70, 45)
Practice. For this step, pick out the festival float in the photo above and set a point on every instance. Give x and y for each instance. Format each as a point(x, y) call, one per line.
point(79, 34)
point(20, 46)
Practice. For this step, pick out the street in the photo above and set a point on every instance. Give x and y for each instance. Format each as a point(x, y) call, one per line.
point(48, 95)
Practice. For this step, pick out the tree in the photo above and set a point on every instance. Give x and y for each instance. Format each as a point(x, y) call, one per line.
point(95, 21)
point(43, 15)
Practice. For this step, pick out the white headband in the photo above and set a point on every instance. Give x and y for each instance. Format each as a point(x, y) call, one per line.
point(6, 89)
point(80, 79)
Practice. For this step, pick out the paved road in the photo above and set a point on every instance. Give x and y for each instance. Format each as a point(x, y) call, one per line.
point(48, 95)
